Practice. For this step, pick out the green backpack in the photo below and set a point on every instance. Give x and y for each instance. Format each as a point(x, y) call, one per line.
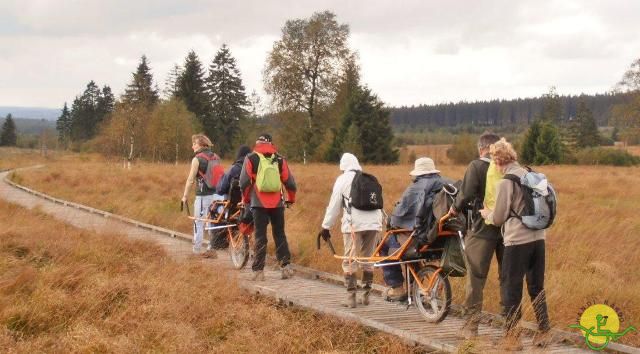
point(268, 177)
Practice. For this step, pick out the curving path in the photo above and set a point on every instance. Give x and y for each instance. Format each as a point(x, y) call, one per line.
point(311, 289)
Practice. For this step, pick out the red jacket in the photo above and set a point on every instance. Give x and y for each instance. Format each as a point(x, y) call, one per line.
point(259, 199)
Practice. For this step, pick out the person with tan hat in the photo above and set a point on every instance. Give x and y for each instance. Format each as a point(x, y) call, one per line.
point(426, 181)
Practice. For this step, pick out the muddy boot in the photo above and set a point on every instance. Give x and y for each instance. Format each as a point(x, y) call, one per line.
point(350, 282)
point(367, 279)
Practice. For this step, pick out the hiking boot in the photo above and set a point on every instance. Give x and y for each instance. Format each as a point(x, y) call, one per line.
point(399, 293)
point(286, 272)
point(367, 280)
point(543, 339)
point(210, 253)
point(510, 343)
point(469, 330)
point(258, 275)
point(350, 282)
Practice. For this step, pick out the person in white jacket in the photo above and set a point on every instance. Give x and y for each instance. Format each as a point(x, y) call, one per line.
point(360, 230)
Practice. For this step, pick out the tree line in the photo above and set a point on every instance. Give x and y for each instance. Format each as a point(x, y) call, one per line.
point(320, 107)
point(503, 113)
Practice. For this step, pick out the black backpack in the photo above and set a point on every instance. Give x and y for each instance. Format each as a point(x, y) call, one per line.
point(366, 192)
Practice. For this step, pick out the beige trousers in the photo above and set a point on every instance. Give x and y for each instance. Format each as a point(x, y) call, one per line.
point(365, 244)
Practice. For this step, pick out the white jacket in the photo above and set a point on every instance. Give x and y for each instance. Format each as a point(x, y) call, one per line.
point(361, 220)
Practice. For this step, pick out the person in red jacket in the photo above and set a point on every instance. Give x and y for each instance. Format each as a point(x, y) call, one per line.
point(268, 206)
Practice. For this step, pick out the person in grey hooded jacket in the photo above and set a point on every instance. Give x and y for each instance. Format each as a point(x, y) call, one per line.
point(406, 215)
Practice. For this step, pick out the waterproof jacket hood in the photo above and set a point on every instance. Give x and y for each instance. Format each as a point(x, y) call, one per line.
point(348, 162)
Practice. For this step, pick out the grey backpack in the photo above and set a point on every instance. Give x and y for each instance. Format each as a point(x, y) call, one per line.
point(539, 198)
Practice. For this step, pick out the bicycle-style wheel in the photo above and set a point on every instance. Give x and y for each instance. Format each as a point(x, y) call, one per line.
point(238, 248)
point(434, 305)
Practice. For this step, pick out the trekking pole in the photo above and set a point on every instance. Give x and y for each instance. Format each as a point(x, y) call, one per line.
point(328, 242)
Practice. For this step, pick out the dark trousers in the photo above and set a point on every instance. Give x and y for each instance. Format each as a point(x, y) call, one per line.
point(262, 217)
point(520, 261)
point(479, 250)
point(392, 274)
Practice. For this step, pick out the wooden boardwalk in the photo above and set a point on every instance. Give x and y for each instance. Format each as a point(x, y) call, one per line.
point(309, 289)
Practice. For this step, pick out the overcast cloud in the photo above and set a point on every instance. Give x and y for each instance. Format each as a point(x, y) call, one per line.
point(411, 52)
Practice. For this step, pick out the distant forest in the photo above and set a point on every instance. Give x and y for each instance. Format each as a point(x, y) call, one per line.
point(499, 113)
point(31, 126)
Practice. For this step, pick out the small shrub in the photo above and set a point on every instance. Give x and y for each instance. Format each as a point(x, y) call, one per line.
point(603, 156)
point(464, 149)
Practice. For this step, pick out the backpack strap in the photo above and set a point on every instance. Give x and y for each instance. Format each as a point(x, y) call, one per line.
point(345, 199)
point(516, 180)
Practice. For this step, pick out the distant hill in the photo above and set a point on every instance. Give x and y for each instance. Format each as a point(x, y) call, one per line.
point(30, 112)
point(30, 126)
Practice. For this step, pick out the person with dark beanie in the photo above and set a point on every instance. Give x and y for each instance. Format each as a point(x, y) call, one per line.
point(264, 176)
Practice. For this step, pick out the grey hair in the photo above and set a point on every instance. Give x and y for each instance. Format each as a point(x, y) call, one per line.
point(486, 139)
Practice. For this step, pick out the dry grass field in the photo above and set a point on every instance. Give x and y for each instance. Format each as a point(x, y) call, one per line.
point(74, 291)
point(592, 250)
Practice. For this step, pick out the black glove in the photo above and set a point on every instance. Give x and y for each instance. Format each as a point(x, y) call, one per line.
point(325, 234)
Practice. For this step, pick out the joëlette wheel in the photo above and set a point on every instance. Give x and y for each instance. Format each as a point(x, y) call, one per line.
point(239, 249)
point(434, 305)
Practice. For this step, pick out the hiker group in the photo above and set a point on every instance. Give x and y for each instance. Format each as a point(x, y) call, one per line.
point(506, 209)
point(265, 184)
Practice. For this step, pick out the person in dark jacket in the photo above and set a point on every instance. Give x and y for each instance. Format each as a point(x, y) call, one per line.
point(406, 215)
point(228, 188)
point(224, 185)
point(482, 240)
point(268, 206)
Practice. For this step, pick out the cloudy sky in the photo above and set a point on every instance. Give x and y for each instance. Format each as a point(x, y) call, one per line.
point(410, 52)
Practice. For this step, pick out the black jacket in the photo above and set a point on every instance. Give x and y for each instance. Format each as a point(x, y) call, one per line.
point(471, 198)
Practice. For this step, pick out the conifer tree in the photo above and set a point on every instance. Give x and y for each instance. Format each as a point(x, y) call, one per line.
point(374, 133)
point(106, 102)
point(551, 107)
point(228, 100)
point(8, 135)
point(548, 146)
point(84, 113)
point(347, 88)
point(528, 153)
point(588, 134)
point(141, 90)
point(63, 126)
point(171, 83)
point(191, 89)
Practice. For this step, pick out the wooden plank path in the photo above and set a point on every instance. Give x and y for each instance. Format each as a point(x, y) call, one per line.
point(311, 289)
